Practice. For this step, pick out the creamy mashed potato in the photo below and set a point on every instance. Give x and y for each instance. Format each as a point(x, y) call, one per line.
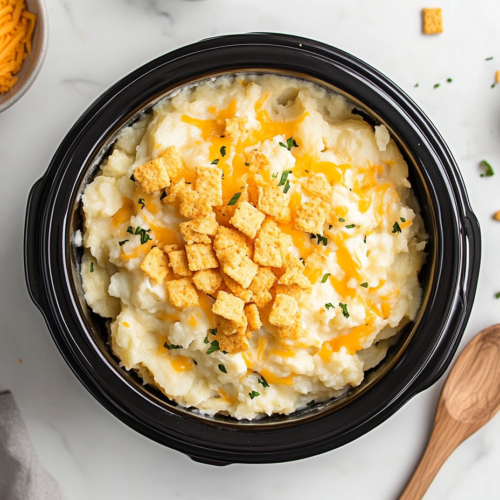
point(342, 276)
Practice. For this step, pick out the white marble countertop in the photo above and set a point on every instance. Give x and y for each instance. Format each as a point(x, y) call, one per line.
point(92, 44)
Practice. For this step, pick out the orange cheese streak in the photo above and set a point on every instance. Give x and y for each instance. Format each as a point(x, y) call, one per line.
point(16, 30)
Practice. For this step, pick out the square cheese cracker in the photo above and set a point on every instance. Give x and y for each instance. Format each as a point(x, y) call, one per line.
point(238, 266)
point(247, 219)
point(310, 217)
point(253, 317)
point(182, 294)
point(201, 256)
point(273, 201)
point(178, 263)
point(208, 281)
point(432, 21)
point(283, 311)
point(152, 176)
point(230, 307)
point(267, 248)
point(172, 162)
point(155, 265)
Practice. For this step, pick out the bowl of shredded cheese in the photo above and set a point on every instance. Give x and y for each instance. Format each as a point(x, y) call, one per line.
point(23, 43)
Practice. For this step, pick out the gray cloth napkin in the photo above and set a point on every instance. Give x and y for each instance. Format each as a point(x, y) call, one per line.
point(21, 475)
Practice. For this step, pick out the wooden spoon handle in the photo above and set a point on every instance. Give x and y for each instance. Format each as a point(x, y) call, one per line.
point(446, 435)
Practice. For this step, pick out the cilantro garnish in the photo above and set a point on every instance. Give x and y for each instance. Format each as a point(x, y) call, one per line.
point(396, 228)
point(234, 199)
point(253, 394)
point(345, 312)
point(263, 382)
point(284, 177)
point(214, 346)
point(171, 347)
point(130, 230)
point(325, 277)
point(222, 368)
point(350, 226)
point(215, 162)
point(322, 239)
point(329, 306)
point(311, 403)
point(364, 285)
point(91, 267)
point(488, 169)
point(290, 143)
point(142, 203)
point(121, 243)
point(287, 187)
point(223, 151)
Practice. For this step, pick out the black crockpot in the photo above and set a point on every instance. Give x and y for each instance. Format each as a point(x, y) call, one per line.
point(426, 347)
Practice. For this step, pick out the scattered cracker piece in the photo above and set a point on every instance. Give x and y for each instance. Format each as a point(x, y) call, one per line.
point(267, 249)
point(497, 216)
point(262, 298)
point(286, 242)
point(283, 311)
point(291, 260)
point(172, 162)
point(247, 219)
point(236, 128)
point(208, 281)
point(263, 281)
point(239, 267)
point(201, 256)
point(170, 248)
point(182, 294)
point(207, 225)
point(208, 183)
point(256, 161)
point(227, 327)
point(179, 263)
point(317, 185)
point(294, 331)
point(316, 260)
point(303, 297)
point(192, 236)
point(253, 317)
point(237, 289)
point(233, 344)
point(310, 217)
point(193, 204)
point(227, 240)
point(273, 201)
point(152, 176)
point(230, 307)
point(294, 276)
point(497, 76)
point(155, 265)
point(432, 21)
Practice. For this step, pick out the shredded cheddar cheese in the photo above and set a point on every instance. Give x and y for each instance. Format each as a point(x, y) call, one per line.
point(16, 30)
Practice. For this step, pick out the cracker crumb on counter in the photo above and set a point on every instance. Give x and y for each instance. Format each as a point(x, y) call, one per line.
point(432, 21)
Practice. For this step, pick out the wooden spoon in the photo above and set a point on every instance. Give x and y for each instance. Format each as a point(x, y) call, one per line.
point(470, 398)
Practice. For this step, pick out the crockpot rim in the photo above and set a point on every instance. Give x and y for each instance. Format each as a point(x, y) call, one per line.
point(55, 305)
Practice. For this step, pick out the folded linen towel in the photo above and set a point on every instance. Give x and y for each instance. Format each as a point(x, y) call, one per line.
point(21, 475)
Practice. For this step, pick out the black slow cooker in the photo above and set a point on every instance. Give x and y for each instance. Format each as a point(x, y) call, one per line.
point(425, 348)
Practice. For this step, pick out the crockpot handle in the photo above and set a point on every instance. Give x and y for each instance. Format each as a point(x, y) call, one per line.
point(32, 244)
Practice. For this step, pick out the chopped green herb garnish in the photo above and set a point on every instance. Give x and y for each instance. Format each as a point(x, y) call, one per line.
point(171, 347)
point(284, 177)
point(145, 236)
point(263, 382)
point(163, 195)
point(396, 228)
point(364, 285)
point(493, 85)
point(132, 178)
point(290, 143)
point(436, 85)
point(275, 175)
point(253, 394)
point(416, 85)
point(403, 219)
point(142, 203)
point(488, 169)
point(121, 243)
point(330, 226)
point(341, 220)
point(205, 340)
point(350, 226)
point(214, 346)
point(223, 151)
point(325, 277)
point(345, 312)
point(311, 403)
point(287, 187)
point(215, 162)
point(497, 295)
point(489, 58)
point(234, 199)
point(313, 236)
point(329, 306)
point(91, 267)
point(195, 362)
point(247, 164)
point(449, 80)
point(213, 331)
point(365, 239)
point(322, 239)
point(222, 368)
point(130, 230)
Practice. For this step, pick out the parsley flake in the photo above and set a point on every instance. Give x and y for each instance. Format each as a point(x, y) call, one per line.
point(322, 240)
point(290, 143)
point(253, 394)
point(364, 285)
point(287, 187)
point(449, 80)
point(350, 226)
point(284, 177)
point(263, 382)
point(275, 176)
point(403, 219)
point(329, 306)
point(121, 243)
point(311, 403)
point(396, 228)
point(223, 151)
point(171, 347)
point(130, 230)
point(222, 368)
point(214, 346)
point(213, 331)
point(91, 267)
point(234, 199)
point(416, 85)
point(312, 237)
point(325, 277)
point(205, 340)
point(163, 195)
point(247, 164)
point(489, 58)
point(215, 162)
point(436, 85)
point(132, 178)
point(497, 295)
point(488, 169)
point(341, 220)
point(142, 203)
point(345, 312)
